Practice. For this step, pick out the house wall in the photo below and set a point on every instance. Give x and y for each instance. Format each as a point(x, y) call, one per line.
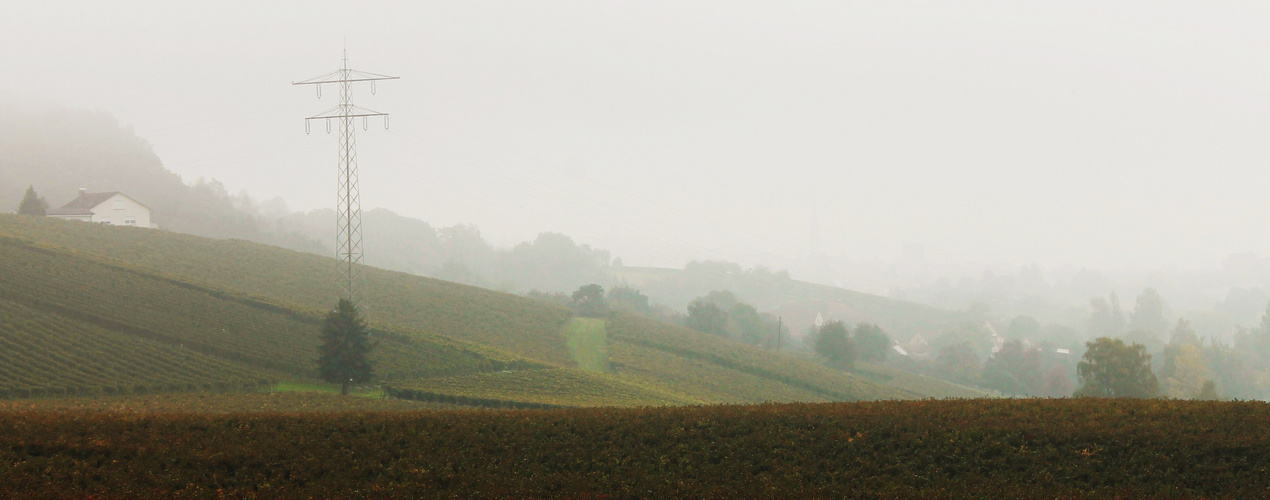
point(85, 218)
point(120, 210)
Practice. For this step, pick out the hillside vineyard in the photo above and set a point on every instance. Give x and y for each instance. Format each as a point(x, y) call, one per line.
point(258, 307)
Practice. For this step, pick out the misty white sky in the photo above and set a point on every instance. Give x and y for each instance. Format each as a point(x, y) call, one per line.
point(1011, 132)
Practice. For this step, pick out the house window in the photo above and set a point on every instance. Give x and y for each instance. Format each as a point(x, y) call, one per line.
point(130, 221)
point(104, 220)
point(118, 204)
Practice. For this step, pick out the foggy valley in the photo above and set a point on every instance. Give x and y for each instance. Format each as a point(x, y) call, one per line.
point(652, 250)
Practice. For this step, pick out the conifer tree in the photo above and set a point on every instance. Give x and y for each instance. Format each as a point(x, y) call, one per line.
point(344, 353)
point(32, 204)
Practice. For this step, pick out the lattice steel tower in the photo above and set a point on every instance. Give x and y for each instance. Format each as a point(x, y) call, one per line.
point(348, 209)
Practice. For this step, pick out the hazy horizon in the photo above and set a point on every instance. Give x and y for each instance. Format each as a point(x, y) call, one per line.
point(1077, 135)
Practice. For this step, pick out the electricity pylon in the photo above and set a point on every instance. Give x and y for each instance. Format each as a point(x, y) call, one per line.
point(348, 209)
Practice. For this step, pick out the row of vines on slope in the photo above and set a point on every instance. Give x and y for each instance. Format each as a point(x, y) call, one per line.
point(710, 382)
point(212, 322)
point(47, 355)
point(678, 341)
point(518, 325)
point(536, 389)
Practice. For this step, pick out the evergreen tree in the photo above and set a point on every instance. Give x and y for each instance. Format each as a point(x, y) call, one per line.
point(32, 204)
point(344, 353)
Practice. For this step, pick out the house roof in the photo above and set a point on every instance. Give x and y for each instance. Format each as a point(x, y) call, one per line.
point(86, 202)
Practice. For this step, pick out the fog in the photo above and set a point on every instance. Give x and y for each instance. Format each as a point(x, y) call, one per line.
point(879, 146)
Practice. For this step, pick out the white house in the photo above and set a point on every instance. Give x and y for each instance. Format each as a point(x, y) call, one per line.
point(917, 347)
point(113, 209)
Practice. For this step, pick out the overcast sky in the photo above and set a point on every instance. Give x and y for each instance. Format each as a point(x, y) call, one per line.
point(1013, 132)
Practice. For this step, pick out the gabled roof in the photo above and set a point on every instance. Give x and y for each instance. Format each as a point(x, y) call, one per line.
point(86, 202)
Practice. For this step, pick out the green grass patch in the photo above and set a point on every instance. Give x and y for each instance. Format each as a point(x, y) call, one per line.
point(919, 385)
point(311, 386)
point(588, 343)
point(559, 387)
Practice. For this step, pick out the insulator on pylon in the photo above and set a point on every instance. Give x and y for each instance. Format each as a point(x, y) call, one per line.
point(328, 125)
point(385, 122)
point(306, 127)
point(319, 87)
point(372, 87)
point(365, 123)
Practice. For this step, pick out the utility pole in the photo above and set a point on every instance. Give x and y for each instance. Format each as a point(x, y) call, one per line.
point(780, 322)
point(348, 208)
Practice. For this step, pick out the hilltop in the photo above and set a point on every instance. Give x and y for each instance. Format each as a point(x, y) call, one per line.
point(58, 150)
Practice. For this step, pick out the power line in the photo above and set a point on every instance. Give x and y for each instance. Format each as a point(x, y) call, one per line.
point(348, 207)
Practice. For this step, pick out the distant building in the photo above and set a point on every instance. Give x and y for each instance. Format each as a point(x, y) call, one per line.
point(916, 348)
point(112, 209)
point(997, 341)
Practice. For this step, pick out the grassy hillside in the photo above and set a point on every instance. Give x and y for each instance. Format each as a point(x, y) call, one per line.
point(71, 324)
point(655, 363)
point(587, 343)
point(500, 320)
point(909, 449)
point(537, 389)
point(260, 307)
point(708, 382)
point(661, 346)
point(917, 385)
